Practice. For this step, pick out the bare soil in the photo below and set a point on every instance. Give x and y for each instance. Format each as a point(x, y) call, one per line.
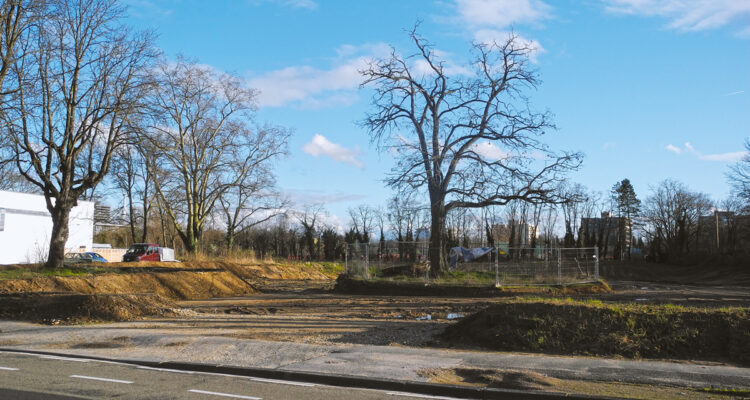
point(74, 308)
point(528, 380)
point(602, 329)
point(173, 285)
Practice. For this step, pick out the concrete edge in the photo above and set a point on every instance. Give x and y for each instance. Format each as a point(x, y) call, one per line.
point(433, 389)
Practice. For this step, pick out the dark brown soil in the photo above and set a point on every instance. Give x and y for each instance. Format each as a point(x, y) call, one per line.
point(75, 308)
point(696, 275)
point(634, 331)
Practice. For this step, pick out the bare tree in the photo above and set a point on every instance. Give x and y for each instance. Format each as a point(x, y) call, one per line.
point(78, 90)
point(671, 214)
point(739, 176)
point(130, 175)
point(471, 139)
point(253, 199)
point(363, 216)
point(309, 218)
point(199, 137)
point(16, 19)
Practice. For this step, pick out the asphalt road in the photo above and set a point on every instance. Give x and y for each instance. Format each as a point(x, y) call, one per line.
point(38, 377)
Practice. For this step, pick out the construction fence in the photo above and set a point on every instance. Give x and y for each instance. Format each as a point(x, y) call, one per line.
point(499, 265)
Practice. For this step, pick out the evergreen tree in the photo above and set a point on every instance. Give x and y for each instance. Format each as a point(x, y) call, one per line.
point(628, 206)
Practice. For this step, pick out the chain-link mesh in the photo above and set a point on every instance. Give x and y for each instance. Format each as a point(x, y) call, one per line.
point(499, 265)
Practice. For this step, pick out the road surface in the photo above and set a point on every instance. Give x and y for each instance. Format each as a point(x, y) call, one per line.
point(40, 377)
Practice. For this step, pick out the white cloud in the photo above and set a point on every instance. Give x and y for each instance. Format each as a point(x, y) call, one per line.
point(489, 151)
point(307, 4)
point(320, 145)
point(722, 157)
point(490, 20)
point(733, 93)
point(490, 36)
point(687, 15)
point(304, 4)
point(311, 197)
point(731, 156)
point(501, 14)
point(314, 87)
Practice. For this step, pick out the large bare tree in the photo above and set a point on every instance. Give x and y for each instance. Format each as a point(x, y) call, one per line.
point(466, 135)
point(253, 199)
point(200, 135)
point(77, 91)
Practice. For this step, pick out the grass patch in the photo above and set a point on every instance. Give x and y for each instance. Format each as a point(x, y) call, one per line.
point(728, 392)
point(330, 268)
point(567, 326)
point(37, 272)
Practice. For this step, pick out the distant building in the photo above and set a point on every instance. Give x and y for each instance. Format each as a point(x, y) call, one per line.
point(26, 227)
point(611, 234)
point(523, 234)
point(103, 220)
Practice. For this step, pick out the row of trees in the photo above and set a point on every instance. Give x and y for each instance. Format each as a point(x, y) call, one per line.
point(89, 104)
point(84, 96)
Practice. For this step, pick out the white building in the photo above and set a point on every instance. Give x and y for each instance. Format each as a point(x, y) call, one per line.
point(26, 227)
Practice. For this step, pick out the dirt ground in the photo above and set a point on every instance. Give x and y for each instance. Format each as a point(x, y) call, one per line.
point(306, 311)
point(297, 304)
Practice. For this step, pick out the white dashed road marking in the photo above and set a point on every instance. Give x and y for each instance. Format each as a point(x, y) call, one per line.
point(94, 378)
point(236, 396)
point(421, 396)
point(293, 383)
point(83, 360)
point(8, 369)
point(166, 370)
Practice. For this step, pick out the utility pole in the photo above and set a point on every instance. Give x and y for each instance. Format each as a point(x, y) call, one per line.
point(716, 215)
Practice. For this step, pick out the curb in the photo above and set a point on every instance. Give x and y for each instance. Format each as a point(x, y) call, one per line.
point(432, 389)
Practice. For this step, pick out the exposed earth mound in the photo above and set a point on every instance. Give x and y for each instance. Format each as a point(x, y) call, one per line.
point(594, 328)
point(75, 308)
point(174, 285)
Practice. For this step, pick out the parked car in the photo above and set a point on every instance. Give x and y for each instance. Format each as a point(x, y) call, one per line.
point(148, 252)
point(84, 258)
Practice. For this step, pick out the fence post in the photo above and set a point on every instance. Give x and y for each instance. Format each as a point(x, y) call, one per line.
point(596, 263)
point(427, 273)
point(497, 268)
point(346, 260)
point(559, 266)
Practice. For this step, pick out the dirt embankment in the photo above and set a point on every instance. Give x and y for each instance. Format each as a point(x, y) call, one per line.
point(72, 308)
point(636, 331)
point(180, 285)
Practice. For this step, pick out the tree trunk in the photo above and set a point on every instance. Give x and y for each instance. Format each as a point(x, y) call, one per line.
point(231, 234)
point(437, 234)
point(60, 214)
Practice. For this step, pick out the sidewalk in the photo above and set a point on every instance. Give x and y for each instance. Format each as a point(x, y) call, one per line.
point(137, 341)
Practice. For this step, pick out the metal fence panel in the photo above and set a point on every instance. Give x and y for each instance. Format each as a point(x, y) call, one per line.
point(501, 265)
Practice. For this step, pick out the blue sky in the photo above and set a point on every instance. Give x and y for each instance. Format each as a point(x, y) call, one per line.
point(647, 89)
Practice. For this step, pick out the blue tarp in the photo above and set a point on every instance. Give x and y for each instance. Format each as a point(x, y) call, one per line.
point(463, 254)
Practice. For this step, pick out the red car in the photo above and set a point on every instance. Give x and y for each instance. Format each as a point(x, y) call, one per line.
point(142, 252)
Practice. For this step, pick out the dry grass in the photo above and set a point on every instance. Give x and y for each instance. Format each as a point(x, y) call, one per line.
point(566, 326)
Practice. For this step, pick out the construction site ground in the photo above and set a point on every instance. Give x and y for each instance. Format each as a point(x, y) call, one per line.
point(287, 316)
